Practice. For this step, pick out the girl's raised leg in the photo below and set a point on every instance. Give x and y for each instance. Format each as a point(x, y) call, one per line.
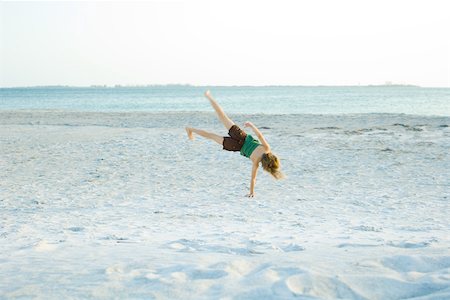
point(209, 135)
point(227, 122)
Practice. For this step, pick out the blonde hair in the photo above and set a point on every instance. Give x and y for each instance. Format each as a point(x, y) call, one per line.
point(271, 164)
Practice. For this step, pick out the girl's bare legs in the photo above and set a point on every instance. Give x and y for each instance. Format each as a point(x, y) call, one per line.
point(227, 122)
point(209, 135)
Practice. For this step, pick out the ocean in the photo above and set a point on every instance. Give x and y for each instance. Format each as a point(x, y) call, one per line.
point(239, 99)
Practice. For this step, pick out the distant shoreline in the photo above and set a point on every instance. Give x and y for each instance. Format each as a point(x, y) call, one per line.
point(118, 86)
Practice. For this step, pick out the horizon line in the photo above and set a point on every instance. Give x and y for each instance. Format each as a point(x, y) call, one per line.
point(106, 86)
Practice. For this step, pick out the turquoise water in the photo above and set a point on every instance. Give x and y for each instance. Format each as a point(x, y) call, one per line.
point(250, 100)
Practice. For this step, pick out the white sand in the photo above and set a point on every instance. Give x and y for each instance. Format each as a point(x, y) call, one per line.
point(123, 205)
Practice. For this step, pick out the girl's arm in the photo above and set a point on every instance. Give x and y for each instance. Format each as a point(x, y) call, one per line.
point(253, 180)
point(259, 135)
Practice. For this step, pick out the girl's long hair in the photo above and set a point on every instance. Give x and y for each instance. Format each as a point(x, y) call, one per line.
point(271, 164)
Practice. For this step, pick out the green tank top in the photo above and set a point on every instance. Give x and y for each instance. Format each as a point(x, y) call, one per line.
point(249, 146)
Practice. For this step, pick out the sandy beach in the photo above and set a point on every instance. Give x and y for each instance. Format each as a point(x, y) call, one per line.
point(124, 206)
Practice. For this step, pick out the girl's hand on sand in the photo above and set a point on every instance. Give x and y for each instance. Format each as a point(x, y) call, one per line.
point(251, 195)
point(248, 124)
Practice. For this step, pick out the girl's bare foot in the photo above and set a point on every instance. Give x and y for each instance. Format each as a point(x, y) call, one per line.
point(189, 133)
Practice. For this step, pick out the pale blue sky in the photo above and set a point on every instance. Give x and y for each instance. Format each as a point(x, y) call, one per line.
point(225, 43)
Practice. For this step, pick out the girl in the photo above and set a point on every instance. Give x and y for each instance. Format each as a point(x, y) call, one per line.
point(237, 140)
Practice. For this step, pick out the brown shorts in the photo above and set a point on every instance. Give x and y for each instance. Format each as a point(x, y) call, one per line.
point(235, 140)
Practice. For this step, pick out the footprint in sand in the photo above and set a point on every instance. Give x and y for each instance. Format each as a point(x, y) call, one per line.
point(207, 274)
point(76, 229)
point(410, 245)
point(308, 284)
